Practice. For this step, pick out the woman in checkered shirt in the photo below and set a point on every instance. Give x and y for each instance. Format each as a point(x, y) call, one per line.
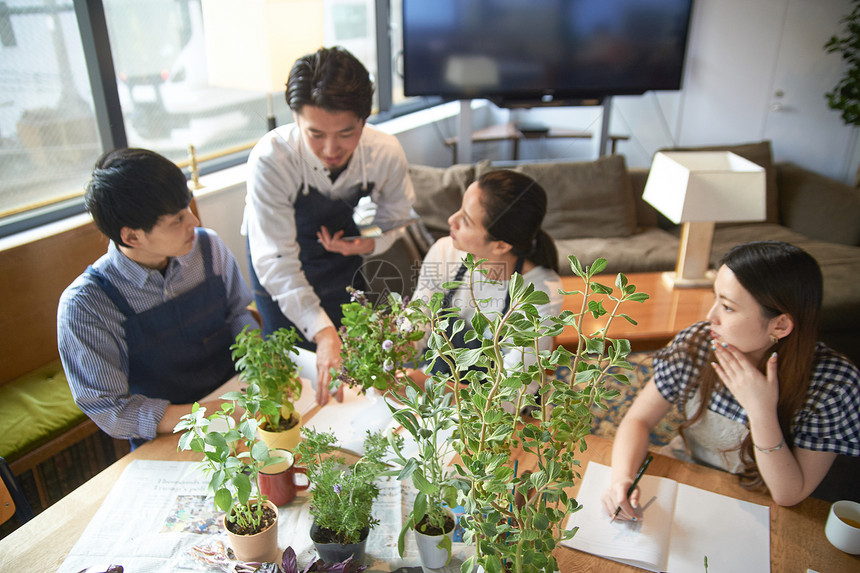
point(778, 405)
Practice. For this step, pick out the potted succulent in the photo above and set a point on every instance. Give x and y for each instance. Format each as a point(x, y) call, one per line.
point(427, 417)
point(343, 494)
point(233, 456)
point(512, 517)
point(265, 365)
point(378, 342)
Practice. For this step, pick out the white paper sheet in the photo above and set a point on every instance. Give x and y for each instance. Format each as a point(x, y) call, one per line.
point(681, 526)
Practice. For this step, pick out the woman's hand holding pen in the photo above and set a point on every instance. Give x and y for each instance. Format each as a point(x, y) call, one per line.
point(616, 496)
point(630, 499)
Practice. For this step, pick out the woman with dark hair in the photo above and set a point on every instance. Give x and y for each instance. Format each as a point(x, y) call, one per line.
point(763, 399)
point(499, 220)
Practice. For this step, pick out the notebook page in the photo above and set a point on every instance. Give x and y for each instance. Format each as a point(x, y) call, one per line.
point(642, 544)
point(733, 534)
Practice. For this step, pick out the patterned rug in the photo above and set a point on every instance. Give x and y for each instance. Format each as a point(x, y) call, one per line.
point(606, 421)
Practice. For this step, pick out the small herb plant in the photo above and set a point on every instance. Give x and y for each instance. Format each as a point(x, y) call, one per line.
point(515, 518)
point(265, 365)
point(232, 457)
point(343, 495)
point(378, 341)
point(426, 416)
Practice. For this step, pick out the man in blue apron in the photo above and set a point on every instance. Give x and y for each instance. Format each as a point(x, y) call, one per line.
point(146, 330)
point(304, 182)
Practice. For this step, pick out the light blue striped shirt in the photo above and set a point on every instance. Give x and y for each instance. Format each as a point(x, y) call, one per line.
point(91, 336)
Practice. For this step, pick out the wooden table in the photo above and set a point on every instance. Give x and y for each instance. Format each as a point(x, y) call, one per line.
point(797, 533)
point(666, 312)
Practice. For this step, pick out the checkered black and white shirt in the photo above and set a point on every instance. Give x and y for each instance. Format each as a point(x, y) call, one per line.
point(829, 420)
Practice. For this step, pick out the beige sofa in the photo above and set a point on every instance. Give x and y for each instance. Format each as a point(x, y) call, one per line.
point(595, 210)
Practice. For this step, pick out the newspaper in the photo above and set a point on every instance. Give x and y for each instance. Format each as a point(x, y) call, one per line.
point(158, 511)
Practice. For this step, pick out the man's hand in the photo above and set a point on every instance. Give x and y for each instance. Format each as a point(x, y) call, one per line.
point(336, 244)
point(328, 356)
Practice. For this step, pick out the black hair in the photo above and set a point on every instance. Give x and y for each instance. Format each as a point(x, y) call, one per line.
point(133, 188)
point(331, 79)
point(515, 205)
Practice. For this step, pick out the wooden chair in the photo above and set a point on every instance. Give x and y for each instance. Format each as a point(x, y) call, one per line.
point(12, 499)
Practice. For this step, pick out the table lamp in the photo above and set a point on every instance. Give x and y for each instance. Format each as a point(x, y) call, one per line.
point(699, 188)
point(254, 46)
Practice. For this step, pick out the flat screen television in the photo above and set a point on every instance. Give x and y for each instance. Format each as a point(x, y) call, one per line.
point(517, 52)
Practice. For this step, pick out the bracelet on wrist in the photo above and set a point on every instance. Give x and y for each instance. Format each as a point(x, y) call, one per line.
point(770, 450)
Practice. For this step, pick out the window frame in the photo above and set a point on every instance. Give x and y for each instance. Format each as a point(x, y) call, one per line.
point(92, 25)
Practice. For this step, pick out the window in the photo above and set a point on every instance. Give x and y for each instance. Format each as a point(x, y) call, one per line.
point(48, 135)
point(170, 86)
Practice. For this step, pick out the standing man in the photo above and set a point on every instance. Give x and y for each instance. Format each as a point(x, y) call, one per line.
point(146, 330)
point(304, 183)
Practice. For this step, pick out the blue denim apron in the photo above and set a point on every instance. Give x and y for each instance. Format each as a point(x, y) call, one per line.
point(328, 273)
point(459, 338)
point(179, 350)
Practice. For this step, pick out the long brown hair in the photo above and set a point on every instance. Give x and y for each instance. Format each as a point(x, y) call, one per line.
point(783, 279)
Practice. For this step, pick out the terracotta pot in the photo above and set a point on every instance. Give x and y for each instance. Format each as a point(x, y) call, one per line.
point(338, 552)
point(259, 547)
point(286, 440)
point(278, 481)
point(433, 556)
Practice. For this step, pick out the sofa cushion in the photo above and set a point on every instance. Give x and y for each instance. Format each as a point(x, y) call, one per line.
point(35, 409)
point(438, 193)
point(760, 154)
point(647, 251)
point(836, 220)
point(592, 199)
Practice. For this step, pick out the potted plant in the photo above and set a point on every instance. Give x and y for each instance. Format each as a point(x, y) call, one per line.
point(343, 494)
point(265, 365)
point(845, 95)
point(233, 456)
point(427, 417)
point(378, 342)
point(514, 518)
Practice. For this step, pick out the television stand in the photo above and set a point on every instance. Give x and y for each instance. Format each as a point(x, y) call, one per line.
point(515, 133)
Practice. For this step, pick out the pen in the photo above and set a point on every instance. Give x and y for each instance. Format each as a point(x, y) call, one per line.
point(634, 484)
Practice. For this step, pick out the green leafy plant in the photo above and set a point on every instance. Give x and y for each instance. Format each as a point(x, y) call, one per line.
point(265, 365)
point(343, 494)
point(845, 95)
point(378, 341)
point(515, 518)
point(232, 455)
point(426, 416)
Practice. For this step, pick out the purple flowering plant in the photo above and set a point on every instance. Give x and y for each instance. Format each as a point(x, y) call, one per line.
point(378, 341)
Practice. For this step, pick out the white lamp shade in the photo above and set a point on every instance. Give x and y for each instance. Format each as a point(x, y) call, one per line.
point(253, 44)
point(695, 186)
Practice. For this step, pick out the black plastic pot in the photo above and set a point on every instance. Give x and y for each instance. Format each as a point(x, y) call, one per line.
point(338, 552)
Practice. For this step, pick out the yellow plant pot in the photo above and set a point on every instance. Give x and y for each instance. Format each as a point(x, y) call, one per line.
point(286, 440)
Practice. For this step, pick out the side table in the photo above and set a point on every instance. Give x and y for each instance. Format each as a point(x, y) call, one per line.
point(666, 312)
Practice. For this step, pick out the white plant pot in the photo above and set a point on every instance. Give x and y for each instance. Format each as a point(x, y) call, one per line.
point(432, 556)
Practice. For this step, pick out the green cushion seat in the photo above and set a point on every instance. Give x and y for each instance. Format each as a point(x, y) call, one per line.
point(35, 409)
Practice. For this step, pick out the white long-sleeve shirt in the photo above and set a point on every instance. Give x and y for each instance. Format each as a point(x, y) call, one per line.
point(279, 165)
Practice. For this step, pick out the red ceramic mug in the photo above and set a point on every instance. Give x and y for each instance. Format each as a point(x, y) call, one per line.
point(277, 480)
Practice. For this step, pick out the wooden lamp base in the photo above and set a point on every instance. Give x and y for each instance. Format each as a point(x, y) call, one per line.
point(693, 257)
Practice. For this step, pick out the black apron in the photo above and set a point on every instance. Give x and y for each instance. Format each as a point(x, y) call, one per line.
point(179, 350)
point(328, 273)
